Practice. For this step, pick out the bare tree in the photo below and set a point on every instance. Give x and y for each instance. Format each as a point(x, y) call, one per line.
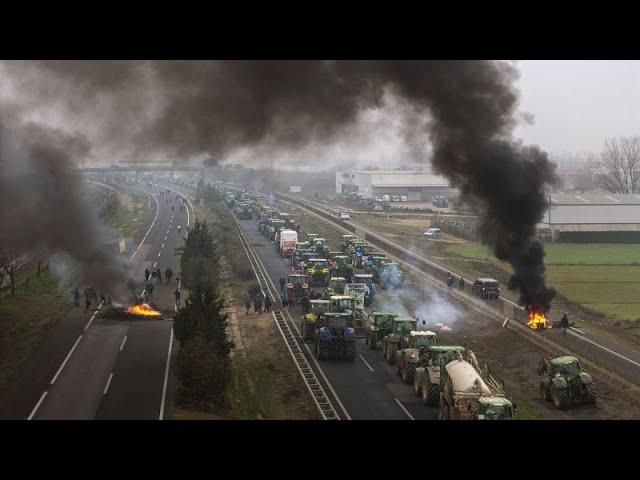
point(619, 166)
point(10, 261)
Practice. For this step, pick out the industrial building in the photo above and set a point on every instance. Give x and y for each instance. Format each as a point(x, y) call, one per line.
point(416, 186)
point(593, 217)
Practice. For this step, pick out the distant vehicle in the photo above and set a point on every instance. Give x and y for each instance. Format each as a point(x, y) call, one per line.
point(396, 198)
point(433, 233)
point(344, 216)
point(404, 198)
point(486, 288)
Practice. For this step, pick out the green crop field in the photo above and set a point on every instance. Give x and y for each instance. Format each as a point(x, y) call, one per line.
point(602, 277)
point(567, 253)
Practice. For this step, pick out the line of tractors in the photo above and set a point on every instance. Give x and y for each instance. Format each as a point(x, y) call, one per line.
point(334, 301)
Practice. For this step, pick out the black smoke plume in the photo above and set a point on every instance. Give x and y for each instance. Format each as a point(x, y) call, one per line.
point(211, 108)
point(42, 208)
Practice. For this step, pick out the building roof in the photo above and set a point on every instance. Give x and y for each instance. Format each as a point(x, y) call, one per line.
point(408, 180)
point(595, 199)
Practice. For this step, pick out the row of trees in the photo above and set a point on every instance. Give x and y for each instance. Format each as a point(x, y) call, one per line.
point(204, 368)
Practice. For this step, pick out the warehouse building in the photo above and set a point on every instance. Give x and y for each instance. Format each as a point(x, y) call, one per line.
point(416, 186)
point(593, 218)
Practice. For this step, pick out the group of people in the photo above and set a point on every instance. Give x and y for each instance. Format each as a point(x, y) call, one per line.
point(157, 274)
point(258, 301)
point(90, 296)
point(451, 281)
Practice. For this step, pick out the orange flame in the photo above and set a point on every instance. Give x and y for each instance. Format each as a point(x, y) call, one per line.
point(143, 309)
point(537, 320)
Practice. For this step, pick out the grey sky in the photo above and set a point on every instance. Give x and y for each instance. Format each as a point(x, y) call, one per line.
point(578, 103)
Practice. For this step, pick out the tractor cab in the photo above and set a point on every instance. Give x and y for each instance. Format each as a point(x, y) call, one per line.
point(336, 287)
point(311, 319)
point(342, 303)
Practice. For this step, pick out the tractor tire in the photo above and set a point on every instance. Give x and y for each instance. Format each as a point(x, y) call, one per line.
point(544, 393)
point(373, 342)
point(430, 394)
point(416, 387)
point(591, 394)
point(444, 412)
point(391, 353)
point(366, 339)
point(398, 368)
point(350, 351)
point(560, 398)
point(323, 351)
point(408, 374)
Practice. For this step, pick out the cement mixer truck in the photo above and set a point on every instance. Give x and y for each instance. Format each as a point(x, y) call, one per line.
point(465, 395)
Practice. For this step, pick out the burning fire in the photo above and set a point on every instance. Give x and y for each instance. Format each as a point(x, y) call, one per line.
point(537, 320)
point(142, 309)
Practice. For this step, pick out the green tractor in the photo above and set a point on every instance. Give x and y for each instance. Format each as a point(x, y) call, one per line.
point(390, 275)
point(342, 268)
point(426, 382)
point(565, 383)
point(336, 287)
point(311, 319)
point(408, 357)
point(335, 335)
point(318, 271)
point(379, 328)
point(345, 241)
point(398, 338)
point(311, 237)
point(320, 246)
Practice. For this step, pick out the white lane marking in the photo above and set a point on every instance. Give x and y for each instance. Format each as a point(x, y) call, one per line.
point(366, 363)
point(66, 360)
point(165, 237)
point(162, 245)
point(154, 264)
point(108, 383)
point(92, 317)
point(187, 209)
point(166, 376)
point(159, 253)
point(404, 409)
point(150, 227)
point(583, 199)
point(123, 342)
point(612, 198)
point(605, 349)
point(35, 409)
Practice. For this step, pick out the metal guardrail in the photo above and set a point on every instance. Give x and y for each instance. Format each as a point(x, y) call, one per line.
point(320, 398)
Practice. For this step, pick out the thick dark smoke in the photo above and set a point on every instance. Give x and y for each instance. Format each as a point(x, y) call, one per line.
point(210, 108)
point(42, 208)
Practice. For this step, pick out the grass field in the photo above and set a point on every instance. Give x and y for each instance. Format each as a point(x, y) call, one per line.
point(603, 278)
point(131, 214)
point(21, 330)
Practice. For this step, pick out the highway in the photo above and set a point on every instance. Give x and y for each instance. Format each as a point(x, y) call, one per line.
point(94, 368)
point(368, 388)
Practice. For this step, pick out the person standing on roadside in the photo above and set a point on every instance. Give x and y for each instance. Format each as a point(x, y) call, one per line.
point(267, 303)
point(564, 323)
point(461, 283)
point(247, 305)
point(146, 274)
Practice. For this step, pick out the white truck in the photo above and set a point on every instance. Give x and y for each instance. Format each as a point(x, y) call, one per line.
point(288, 240)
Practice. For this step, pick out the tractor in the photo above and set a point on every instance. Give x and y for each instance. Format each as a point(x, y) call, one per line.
point(345, 241)
point(565, 383)
point(370, 291)
point(342, 268)
point(311, 319)
point(390, 275)
point(408, 357)
point(335, 335)
point(336, 287)
point(426, 382)
point(398, 338)
point(320, 246)
point(318, 271)
point(297, 283)
point(379, 328)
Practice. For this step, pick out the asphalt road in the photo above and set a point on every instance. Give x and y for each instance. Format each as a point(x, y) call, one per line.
point(368, 387)
point(108, 369)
